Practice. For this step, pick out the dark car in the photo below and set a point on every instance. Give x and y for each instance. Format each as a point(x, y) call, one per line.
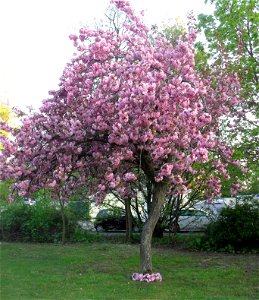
point(112, 219)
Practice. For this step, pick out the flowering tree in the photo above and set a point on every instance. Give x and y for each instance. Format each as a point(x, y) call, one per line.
point(6, 114)
point(126, 102)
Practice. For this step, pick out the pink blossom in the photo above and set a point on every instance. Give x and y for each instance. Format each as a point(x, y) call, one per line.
point(130, 177)
point(73, 37)
point(201, 153)
point(53, 183)
point(235, 187)
point(237, 163)
point(109, 176)
point(101, 187)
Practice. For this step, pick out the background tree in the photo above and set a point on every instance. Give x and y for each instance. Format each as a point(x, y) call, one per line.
point(6, 115)
point(127, 101)
point(232, 35)
point(232, 40)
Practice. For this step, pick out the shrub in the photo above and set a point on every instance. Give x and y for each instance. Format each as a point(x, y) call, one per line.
point(236, 230)
point(13, 221)
point(79, 209)
point(38, 223)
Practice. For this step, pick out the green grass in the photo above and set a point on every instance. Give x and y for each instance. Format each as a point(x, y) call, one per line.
point(103, 270)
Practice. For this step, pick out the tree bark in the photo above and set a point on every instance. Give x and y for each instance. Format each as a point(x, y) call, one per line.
point(149, 195)
point(159, 193)
point(128, 220)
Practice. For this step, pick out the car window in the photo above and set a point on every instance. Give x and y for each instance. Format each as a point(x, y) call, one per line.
point(192, 212)
point(199, 213)
point(186, 212)
point(106, 213)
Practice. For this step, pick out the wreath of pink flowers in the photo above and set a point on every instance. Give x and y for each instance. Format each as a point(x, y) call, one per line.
point(147, 277)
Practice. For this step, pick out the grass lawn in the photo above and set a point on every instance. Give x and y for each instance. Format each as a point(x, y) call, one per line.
point(103, 271)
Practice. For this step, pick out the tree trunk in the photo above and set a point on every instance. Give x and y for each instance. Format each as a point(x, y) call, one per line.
point(128, 220)
point(149, 195)
point(159, 193)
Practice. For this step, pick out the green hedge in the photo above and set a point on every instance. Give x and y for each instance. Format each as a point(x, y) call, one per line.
point(38, 223)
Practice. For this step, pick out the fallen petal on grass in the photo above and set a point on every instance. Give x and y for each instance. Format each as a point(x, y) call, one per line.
point(147, 277)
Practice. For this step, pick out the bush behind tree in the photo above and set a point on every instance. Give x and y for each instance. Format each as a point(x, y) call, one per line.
point(236, 230)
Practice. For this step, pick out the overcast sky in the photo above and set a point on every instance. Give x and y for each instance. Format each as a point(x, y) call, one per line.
point(34, 39)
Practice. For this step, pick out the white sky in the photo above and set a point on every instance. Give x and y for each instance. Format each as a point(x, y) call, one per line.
point(34, 39)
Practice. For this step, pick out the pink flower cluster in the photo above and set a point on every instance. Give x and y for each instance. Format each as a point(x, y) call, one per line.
point(130, 177)
point(235, 187)
point(147, 277)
